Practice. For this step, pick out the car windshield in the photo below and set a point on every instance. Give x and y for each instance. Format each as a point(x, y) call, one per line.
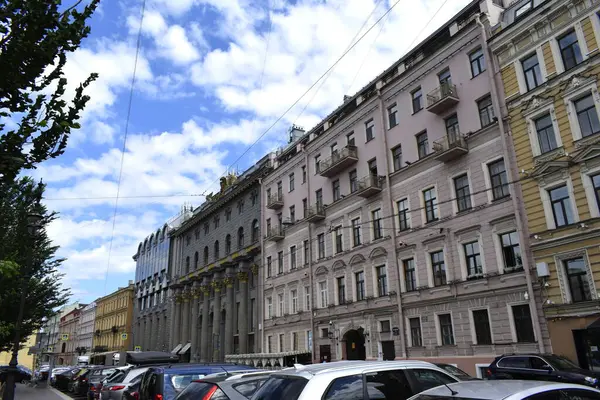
point(117, 376)
point(197, 390)
point(561, 363)
point(281, 387)
point(179, 382)
point(454, 370)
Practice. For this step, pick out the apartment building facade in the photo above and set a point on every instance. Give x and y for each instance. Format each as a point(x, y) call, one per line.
point(391, 228)
point(68, 337)
point(85, 329)
point(215, 275)
point(549, 64)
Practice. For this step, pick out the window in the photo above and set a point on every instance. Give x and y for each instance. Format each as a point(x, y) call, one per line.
point(486, 111)
point(292, 214)
point(319, 198)
point(324, 333)
point(481, 321)
point(577, 277)
point(410, 277)
point(304, 208)
point(269, 308)
point(446, 331)
point(306, 250)
point(280, 262)
point(417, 100)
point(240, 237)
point(452, 128)
point(255, 231)
point(523, 9)
point(353, 181)
point(341, 290)
point(268, 224)
point(561, 206)
point(347, 388)
point(254, 197)
point(206, 228)
point(217, 221)
point(350, 139)
point(323, 294)
point(587, 116)
point(241, 205)
point(569, 50)
point(321, 246)
point(339, 245)
point(281, 341)
point(431, 208)
point(205, 255)
point(227, 245)
point(291, 182)
point(522, 323)
point(385, 326)
point(403, 215)
point(317, 163)
point(463, 193)
point(187, 264)
point(333, 149)
point(397, 157)
point(280, 189)
point(477, 62)
point(392, 115)
point(372, 166)
point(381, 280)
point(335, 187)
point(473, 259)
point(293, 257)
point(438, 267)
point(596, 185)
point(545, 133)
point(377, 227)
point(294, 298)
point(269, 266)
point(445, 78)
point(197, 234)
point(370, 130)
point(360, 285)
point(498, 179)
point(427, 378)
point(196, 260)
point(306, 298)
point(281, 304)
point(511, 250)
point(216, 250)
point(304, 174)
point(356, 231)
point(294, 341)
point(415, 332)
point(422, 144)
point(532, 71)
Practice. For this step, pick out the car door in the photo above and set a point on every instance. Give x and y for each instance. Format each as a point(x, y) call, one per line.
point(422, 379)
point(541, 370)
point(514, 367)
point(388, 385)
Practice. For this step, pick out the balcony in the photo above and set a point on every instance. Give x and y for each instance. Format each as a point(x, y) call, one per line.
point(442, 98)
point(339, 160)
point(275, 234)
point(275, 201)
point(450, 148)
point(368, 186)
point(315, 213)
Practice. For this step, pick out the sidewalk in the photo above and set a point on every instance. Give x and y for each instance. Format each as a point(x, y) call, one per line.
point(25, 392)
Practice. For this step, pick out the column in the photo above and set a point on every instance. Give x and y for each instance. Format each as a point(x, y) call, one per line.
point(185, 317)
point(171, 315)
point(205, 334)
point(150, 332)
point(194, 317)
point(177, 319)
point(243, 321)
point(228, 340)
point(215, 339)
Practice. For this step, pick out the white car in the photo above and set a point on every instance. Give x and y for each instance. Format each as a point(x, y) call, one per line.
point(509, 390)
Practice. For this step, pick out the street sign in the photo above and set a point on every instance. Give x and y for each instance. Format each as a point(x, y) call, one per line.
point(138, 348)
point(65, 336)
point(123, 336)
point(50, 349)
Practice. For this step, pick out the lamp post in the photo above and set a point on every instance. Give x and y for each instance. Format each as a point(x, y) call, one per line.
point(33, 226)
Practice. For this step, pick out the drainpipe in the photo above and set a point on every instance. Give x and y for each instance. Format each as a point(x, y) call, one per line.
point(259, 278)
point(394, 238)
point(510, 165)
point(310, 258)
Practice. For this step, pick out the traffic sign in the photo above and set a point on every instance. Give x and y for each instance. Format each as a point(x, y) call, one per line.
point(138, 348)
point(65, 337)
point(123, 336)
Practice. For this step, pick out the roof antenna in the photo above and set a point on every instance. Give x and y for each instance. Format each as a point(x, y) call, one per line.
point(453, 392)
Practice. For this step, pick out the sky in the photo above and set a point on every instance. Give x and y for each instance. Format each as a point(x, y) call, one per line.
point(211, 77)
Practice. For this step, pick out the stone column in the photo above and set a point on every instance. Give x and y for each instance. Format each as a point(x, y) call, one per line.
point(216, 341)
point(205, 334)
point(185, 318)
point(194, 317)
point(150, 332)
point(243, 321)
point(177, 320)
point(171, 315)
point(228, 340)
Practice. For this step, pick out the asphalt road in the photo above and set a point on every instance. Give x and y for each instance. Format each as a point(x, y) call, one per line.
point(24, 392)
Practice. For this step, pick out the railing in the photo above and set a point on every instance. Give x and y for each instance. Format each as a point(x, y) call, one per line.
point(449, 142)
point(275, 231)
point(368, 182)
point(337, 156)
point(275, 199)
point(316, 211)
point(441, 92)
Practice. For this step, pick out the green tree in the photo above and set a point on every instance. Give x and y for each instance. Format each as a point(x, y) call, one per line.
point(27, 262)
point(35, 38)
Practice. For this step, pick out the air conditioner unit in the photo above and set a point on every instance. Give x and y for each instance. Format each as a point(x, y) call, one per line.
point(542, 270)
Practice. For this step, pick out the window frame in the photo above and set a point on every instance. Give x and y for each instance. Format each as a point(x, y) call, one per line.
point(419, 91)
point(423, 149)
point(430, 206)
point(376, 224)
point(513, 324)
point(545, 131)
point(474, 335)
point(356, 232)
point(565, 206)
point(406, 272)
point(588, 86)
point(433, 264)
point(480, 62)
point(467, 257)
point(489, 180)
point(531, 117)
point(460, 195)
point(559, 259)
point(518, 266)
point(291, 182)
point(533, 70)
point(397, 157)
point(336, 190)
point(369, 130)
point(360, 289)
point(392, 114)
point(404, 221)
point(382, 288)
point(341, 295)
point(439, 328)
point(488, 109)
point(410, 331)
point(576, 44)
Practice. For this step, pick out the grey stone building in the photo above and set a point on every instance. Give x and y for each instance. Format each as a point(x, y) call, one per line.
point(390, 226)
point(215, 274)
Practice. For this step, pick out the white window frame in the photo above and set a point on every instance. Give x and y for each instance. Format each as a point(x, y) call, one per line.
point(498, 246)
point(488, 179)
point(280, 304)
point(521, 74)
point(556, 53)
point(430, 279)
point(295, 256)
point(377, 206)
point(452, 184)
point(281, 342)
point(379, 321)
point(572, 97)
point(305, 295)
point(409, 219)
point(468, 60)
point(422, 203)
point(321, 305)
point(562, 278)
point(403, 275)
point(532, 130)
point(407, 325)
point(511, 319)
point(463, 257)
point(374, 278)
point(293, 301)
point(438, 329)
point(393, 106)
point(269, 337)
point(269, 306)
point(353, 279)
point(546, 202)
point(333, 237)
point(362, 239)
point(588, 186)
point(472, 324)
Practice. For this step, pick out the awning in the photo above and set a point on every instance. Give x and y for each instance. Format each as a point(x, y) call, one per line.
point(185, 348)
point(177, 348)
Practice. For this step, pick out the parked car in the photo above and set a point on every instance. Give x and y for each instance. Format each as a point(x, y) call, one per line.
point(132, 391)
point(79, 382)
point(396, 380)
point(120, 382)
point(168, 381)
point(94, 381)
point(23, 373)
point(509, 390)
point(63, 379)
point(541, 367)
point(220, 387)
point(55, 372)
point(457, 372)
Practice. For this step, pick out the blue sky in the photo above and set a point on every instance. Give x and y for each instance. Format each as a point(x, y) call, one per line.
point(212, 75)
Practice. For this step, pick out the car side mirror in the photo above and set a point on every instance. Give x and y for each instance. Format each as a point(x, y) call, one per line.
point(547, 368)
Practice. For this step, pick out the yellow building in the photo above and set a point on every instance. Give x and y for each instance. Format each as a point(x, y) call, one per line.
point(549, 63)
point(112, 328)
point(24, 357)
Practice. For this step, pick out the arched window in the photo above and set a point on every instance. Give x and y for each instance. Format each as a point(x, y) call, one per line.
point(228, 244)
point(205, 255)
point(255, 231)
point(64, 348)
point(216, 250)
point(196, 260)
point(240, 237)
point(187, 264)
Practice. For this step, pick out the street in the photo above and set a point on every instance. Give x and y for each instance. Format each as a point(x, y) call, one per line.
point(25, 392)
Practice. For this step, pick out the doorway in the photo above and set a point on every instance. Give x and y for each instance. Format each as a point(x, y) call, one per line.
point(355, 345)
point(388, 350)
point(324, 353)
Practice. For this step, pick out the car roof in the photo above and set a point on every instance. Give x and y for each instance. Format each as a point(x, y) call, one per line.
point(494, 389)
point(172, 368)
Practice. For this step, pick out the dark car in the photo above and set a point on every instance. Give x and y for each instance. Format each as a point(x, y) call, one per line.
point(94, 381)
point(23, 375)
point(456, 372)
point(236, 388)
point(79, 382)
point(165, 382)
point(64, 378)
point(541, 367)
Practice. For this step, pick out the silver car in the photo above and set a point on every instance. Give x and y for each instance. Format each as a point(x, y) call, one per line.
point(114, 388)
point(349, 380)
point(510, 390)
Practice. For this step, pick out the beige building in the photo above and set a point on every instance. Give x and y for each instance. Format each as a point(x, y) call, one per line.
point(24, 357)
point(68, 338)
point(548, 58)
